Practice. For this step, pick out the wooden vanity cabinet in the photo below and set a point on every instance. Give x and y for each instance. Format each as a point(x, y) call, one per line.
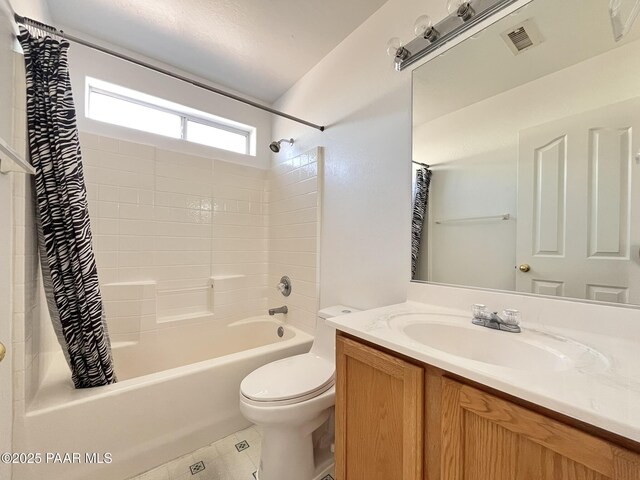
point(400, 420)
point(485, 437)
point(379, 414)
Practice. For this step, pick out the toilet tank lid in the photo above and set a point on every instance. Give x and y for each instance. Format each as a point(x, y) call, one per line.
point(336, 310)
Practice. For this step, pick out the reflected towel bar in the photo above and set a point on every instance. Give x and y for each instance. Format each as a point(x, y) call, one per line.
point(504, 216)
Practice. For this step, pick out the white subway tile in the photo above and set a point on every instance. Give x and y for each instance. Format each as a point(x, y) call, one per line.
point(19, 410)
point(19, 361)
point(122, 325)
point(129, 274)
point(19, 185)
point(18, 327)
point(89, 140)
point(145, 197)
point(92, 191)
point(108, 275)
point(18, 298)
point(127, 195)
point(106, 243)
point(108, 193)
point(107, 144)
point(18, 384)
point(137, 150)
point(107, 259)
point(107, 209)
point(130, 242)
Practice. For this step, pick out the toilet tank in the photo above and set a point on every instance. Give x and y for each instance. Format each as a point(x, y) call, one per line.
point(324, 343)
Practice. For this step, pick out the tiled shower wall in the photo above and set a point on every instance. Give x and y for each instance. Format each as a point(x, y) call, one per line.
point(26, 267)
point(294, 212)
point(189, 224)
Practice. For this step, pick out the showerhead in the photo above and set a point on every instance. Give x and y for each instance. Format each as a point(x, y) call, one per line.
point(275, 146)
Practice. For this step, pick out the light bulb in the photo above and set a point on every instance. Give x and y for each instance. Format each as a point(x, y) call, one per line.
point(393, 45)
point(454, 5)
point(423, 23)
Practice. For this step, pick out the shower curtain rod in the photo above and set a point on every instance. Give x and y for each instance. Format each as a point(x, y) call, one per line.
point(48, 28)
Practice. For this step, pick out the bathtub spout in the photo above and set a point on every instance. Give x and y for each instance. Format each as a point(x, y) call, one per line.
point(273, 311)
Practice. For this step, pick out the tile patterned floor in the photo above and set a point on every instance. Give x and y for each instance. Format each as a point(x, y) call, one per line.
point(235, 457)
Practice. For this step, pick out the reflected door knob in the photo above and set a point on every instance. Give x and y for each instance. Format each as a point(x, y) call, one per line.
point(524, 268)
point(3, 351)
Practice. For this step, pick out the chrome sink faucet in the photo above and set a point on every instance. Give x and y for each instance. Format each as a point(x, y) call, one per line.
point(283, 309)
point(509, 322)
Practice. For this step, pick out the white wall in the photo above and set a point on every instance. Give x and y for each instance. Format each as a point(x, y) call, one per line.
point(366, 105)
point(84, 62)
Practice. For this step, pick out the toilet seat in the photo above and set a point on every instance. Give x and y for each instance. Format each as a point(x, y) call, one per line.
point(288, 381)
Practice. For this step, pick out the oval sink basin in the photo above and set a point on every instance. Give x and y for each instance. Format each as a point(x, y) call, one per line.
point(530, 350)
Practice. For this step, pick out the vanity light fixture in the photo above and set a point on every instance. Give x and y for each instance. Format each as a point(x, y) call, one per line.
point(463, 15)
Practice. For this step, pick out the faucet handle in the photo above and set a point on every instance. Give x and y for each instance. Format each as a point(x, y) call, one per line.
point(479, 310)
point(511, 316)
point(284, 286)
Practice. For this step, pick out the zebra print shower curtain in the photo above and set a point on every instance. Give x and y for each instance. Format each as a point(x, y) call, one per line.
point(69, 270)
point(420, 204)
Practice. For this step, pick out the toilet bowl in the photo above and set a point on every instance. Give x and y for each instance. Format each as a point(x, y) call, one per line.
point(293, 400)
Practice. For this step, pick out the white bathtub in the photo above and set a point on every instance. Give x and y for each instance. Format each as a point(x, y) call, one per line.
point(177, 391)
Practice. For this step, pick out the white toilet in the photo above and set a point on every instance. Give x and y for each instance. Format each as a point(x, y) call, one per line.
point(293, 401)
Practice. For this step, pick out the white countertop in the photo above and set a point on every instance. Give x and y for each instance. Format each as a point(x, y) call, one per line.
point(608, 398)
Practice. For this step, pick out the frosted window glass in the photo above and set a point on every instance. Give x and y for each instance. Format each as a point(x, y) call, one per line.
point(106, 108)
point(216, 137)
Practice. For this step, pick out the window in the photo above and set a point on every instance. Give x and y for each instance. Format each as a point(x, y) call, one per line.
point(127, 113)
point(127, 108)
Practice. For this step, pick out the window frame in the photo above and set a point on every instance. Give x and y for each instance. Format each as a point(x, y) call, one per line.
point(184, 118)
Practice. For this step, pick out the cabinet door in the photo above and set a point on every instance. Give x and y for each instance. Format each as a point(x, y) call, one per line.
point(379, 415)
point(485, 437)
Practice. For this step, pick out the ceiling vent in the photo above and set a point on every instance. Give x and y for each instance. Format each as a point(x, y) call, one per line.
point(522, 37)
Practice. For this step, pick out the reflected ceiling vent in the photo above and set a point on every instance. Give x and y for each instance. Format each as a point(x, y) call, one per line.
point(522, 37)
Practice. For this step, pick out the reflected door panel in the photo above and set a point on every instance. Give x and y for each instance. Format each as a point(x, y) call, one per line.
point(581, 237)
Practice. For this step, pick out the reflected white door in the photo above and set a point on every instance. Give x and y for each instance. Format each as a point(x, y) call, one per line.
point(6, 398)
point(579, 206)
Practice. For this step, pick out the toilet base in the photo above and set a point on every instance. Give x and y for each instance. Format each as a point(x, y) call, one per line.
point(290, 454)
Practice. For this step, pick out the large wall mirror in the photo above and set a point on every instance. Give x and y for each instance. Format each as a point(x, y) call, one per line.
point(531, 133)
